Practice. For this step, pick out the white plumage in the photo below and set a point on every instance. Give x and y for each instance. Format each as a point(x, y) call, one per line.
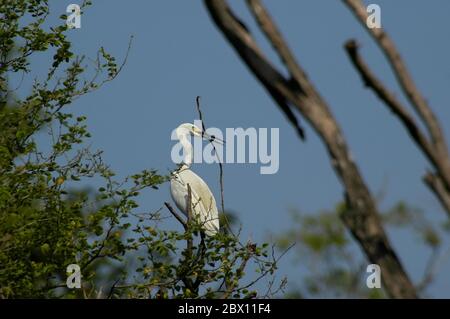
point(203, 203)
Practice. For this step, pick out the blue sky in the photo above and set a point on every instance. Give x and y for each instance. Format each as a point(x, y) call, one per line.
point(177, 54)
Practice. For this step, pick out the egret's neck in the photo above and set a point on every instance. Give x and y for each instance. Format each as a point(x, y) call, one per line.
point(187, 148)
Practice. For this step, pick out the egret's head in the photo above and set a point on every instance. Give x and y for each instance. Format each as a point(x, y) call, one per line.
point(191, 129)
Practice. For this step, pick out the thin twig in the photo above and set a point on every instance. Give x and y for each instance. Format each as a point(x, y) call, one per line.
point(432, 267)
point(112, 289)
point(222, 202)
point(176, 215)
point(200, 257)
point(102, 246)
point(189, 219)
point(240, 270)
point(186, 225)
point(197, 101)
point(130, 42)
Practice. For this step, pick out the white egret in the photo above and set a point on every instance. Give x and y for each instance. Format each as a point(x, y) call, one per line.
point(203, 203)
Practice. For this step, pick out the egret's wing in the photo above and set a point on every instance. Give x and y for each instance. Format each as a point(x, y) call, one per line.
point(204, 208)
point(204, 205)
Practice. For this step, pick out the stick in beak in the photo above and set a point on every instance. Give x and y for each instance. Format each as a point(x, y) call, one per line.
point(212, 138)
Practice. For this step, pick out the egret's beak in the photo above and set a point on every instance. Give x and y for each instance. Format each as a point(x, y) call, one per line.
point(212, 138)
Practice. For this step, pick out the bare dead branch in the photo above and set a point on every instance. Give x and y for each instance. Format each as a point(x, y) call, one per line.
point(408, 86)
point(436, 150)
point(389, 99)
point(435, 183)
point(276, 40)
point(401, 72)
point(246, 47)
point(362, 217)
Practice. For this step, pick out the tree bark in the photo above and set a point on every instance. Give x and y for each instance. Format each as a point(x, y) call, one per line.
point(434, 147)
point(361, 216)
